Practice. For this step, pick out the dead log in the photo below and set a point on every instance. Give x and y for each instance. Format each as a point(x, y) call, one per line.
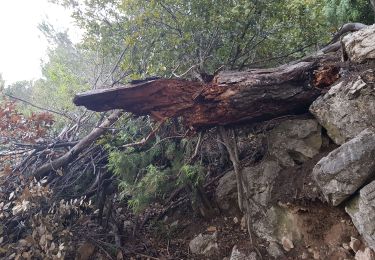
point(78, 148)
point(232, 97)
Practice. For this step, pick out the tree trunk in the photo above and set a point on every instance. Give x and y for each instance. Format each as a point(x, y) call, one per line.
point(232, 97)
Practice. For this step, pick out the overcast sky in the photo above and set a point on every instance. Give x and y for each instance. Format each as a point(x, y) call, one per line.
point(22, 46)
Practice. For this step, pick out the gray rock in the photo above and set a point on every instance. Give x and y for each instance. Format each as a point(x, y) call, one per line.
point(238, 255)
point(260, 180)
point(295, 141)
point(359, 46)
point(204, 245)
point(226, 192)
point(274, 250)
point(287, 244)
point(366, 254)
point(346, 168)
point(347, 109)
point(362, 211)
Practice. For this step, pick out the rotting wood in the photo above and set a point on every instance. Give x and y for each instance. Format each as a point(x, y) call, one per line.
point(232, 97)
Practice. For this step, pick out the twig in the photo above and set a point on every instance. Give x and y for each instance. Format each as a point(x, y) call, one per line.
point(200, 138)
point(146, 139)
point(184, 73)
point(39, 107)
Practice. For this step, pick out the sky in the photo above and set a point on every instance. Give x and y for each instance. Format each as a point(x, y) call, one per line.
point(22, 45)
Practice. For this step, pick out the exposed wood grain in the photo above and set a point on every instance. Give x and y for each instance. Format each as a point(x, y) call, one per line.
point(232, 97)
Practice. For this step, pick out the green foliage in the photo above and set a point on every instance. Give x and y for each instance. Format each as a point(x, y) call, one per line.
point(165, 37)
point(339, 12)
point(191, 174)
point(148, 173)
point(65, 73)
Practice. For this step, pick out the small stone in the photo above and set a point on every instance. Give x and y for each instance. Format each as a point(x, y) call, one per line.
point(211, 229)
point(304, 255)
point(287, 244)
point(238, 255)
point(235, 220)
point(204, 245)
point(367, 254)
point(174, 224)
point(346, 246)
point(355, 244)
point(274, 250)
point(316, 255)
point(243, 223)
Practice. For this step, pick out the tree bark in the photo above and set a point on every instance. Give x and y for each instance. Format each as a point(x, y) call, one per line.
point(231, 98)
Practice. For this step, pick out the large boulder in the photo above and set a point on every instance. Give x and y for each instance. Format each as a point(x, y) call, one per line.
point(359, 46)
point(347, 108)
point(295, 141)
point(346, 168)
point(226, 192)
point(362, 211)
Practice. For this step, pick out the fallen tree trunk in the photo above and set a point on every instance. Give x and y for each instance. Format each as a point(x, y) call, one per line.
point(232, 97)
point(78, 148)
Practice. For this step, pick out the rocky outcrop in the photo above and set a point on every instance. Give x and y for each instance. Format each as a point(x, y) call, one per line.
point(362, 211)
point(290, 143)
point(347, 168)
point(348, 108)
point(273, 184)
point(359, 46)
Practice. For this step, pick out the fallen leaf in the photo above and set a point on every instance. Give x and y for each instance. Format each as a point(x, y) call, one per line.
point(85, 251)
point(211, 229)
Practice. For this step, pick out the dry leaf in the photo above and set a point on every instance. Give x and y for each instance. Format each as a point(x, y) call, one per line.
point(211, 229)
point(85, 251)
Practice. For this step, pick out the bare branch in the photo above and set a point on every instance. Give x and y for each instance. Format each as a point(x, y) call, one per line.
point(41, 108)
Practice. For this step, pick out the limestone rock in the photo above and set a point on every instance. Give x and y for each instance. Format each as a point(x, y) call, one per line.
point(290, 143)
point(260, 178)
point(226, 192)
point(274, 250)
point(359, 46)
point(348, 108)
point(295, 141)
point(238, 255)
point(362, 211)
point(287, 244)
point(367, 254)
point(204, 245)
point(346, 168)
